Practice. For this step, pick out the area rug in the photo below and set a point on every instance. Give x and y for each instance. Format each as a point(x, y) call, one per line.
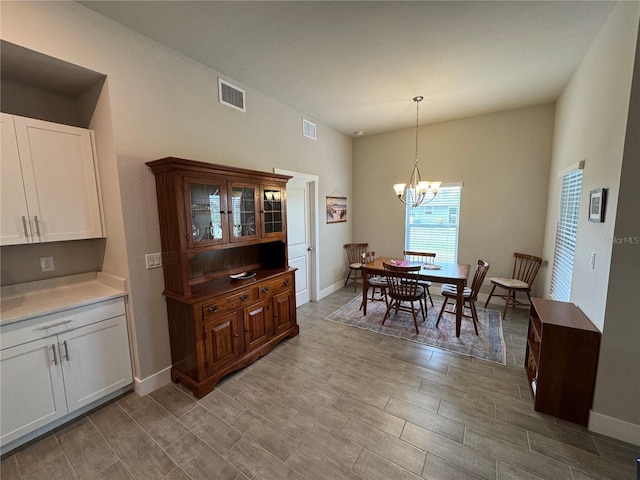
point(487, 345)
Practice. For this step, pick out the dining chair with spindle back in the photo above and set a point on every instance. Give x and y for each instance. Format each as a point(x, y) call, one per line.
point(525, 269)
point(374, 282)
point(425, 258)
point(354, 259)
point(403, 286)
point(470, 294)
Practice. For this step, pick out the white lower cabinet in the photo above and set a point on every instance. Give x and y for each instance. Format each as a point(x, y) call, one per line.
point(48, 378)
point(32, 388)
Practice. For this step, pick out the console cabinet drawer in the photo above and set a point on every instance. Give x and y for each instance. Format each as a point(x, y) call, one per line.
point(228, 304)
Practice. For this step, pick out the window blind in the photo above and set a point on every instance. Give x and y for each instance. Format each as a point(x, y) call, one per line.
point(434, 227)
point(566, 232)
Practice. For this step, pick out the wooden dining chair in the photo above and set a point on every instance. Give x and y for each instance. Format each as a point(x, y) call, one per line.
point(402, 286)
point(374, 282)
point(426, 258)
point(525, 269)
point(470, 294)
point(354, 259)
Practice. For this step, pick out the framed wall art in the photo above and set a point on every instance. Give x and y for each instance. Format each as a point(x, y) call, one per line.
point(596, 205)
point(336, 209)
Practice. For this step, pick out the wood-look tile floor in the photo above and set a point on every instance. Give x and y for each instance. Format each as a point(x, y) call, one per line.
point(335, 402)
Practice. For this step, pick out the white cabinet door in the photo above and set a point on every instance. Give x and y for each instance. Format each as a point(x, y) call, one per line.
point(54, 167)
point(95, 361)
point(32, 390)
point(60, 180)
point(14, 226)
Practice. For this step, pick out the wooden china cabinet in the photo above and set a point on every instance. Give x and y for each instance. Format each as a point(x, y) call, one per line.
point(229, 290)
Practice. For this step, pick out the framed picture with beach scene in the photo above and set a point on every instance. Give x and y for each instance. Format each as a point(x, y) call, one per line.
point(336, 209)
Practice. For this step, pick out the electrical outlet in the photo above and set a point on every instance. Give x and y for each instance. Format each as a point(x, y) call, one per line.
point(153, 260)
point(487, 283)
point(46, 264)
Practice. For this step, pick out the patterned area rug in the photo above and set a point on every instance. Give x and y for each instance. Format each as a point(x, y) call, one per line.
point(488, 345)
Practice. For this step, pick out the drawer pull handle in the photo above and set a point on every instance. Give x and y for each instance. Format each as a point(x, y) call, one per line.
point(35, 217)
point(55, 357)
point(212, 309)
point(24, 225)
point(66, 352)
point(286, 282)
point(244, 297)
point(54, 325)
point(265, 289)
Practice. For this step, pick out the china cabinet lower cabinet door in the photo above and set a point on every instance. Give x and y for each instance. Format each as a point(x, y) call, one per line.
point(95, 361)
point(257, 328)
point(32, 393)
point(222, 341)
point(283, 311)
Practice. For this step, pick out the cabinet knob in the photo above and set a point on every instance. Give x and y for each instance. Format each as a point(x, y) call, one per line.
point(286, 282)
point(244, 297)
point(212, 309)
point(265, 289)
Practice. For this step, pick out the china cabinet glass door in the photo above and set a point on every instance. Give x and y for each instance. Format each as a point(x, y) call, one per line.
point(243, 212)
point(207, 210)
point(272, 203)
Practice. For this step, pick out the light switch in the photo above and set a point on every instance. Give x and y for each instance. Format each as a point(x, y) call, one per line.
point(592, 262)
point(153, 260)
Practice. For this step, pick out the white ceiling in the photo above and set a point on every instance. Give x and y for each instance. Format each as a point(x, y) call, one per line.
point(357, 65)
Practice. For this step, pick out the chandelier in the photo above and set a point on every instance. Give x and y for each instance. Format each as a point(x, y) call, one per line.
point(418, 191)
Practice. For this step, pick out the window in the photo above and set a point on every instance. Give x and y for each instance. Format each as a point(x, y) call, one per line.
point(434, 228)
point(566, 235)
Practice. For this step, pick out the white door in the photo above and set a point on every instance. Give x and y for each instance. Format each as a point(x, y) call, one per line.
point(60, 180)
point(32, 391)
point(302, 233)
point(298, 236)
point(14, 229)
point(95, 361)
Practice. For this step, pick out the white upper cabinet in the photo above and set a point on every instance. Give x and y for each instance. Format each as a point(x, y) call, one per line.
point(49, 184)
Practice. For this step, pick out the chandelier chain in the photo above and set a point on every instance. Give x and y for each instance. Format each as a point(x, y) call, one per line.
point(417, 192)
point(417, 100)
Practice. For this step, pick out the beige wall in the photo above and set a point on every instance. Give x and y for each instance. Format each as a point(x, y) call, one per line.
point(164, 104)
point(503, 160)
point(591, 121)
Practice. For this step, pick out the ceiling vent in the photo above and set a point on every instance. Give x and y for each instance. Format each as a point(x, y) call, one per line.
point(230, 95)
point(309, 129)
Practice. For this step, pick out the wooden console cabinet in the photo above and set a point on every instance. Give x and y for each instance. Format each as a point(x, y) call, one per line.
point(217, 222)
point(561, 359)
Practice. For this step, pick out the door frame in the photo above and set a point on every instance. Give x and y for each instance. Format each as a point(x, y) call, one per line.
point(314, 216)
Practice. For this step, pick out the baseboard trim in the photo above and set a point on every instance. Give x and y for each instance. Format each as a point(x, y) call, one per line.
point(147, 385)
point(614, 428)
point(330, 289)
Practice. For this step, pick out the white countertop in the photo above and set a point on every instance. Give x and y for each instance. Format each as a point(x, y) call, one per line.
point(28, 300)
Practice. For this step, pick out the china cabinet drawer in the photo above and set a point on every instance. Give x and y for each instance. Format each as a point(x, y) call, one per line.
point(276, 286)
point(227, 304)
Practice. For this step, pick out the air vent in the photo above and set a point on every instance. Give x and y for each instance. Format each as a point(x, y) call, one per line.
point(230, 95)
point(309, 129)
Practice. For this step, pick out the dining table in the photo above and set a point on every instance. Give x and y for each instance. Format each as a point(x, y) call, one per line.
point(441, 272)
